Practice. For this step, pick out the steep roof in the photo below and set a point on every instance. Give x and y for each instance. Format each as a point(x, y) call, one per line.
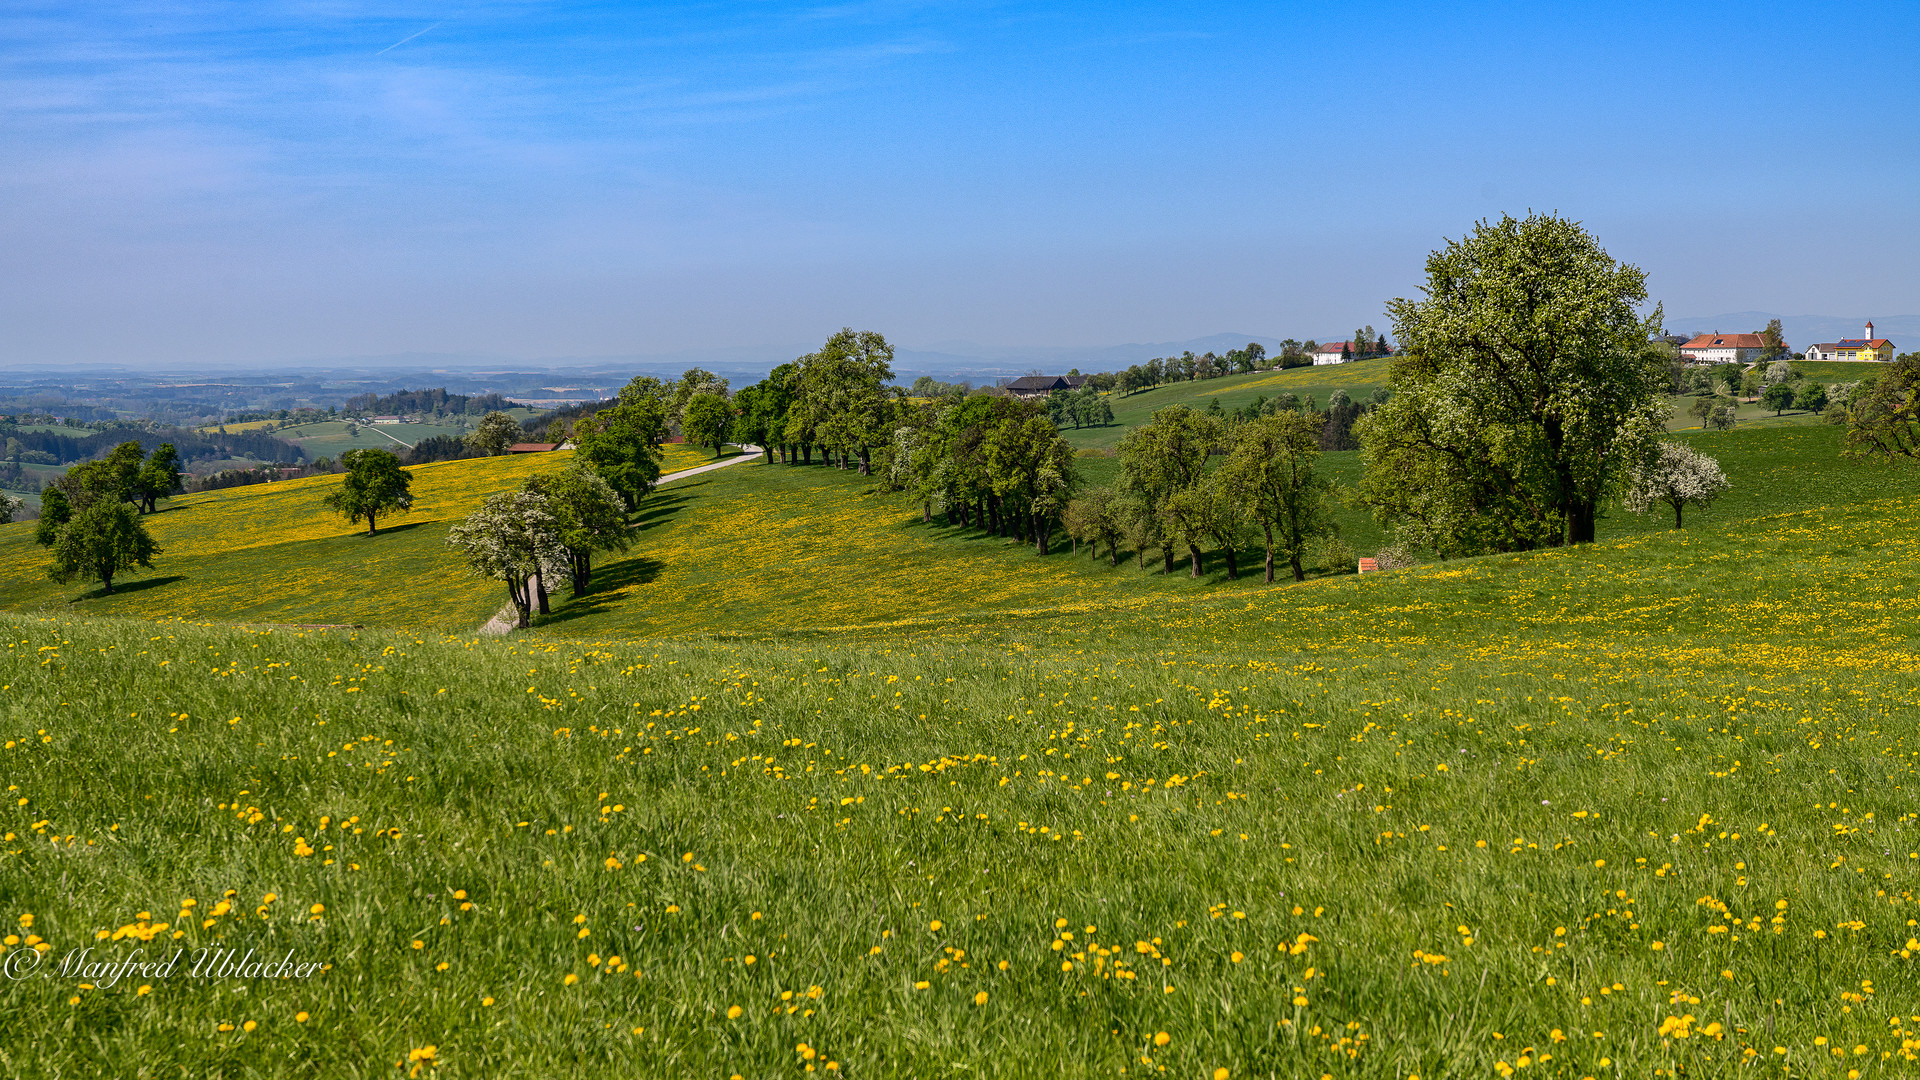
point(1726, 341)
point(1037, 382)
point(1333, 347)
point(1856, 343)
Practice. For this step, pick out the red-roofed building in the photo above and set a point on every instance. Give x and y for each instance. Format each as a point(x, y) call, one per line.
point(533, 447)
point(1724, 348)
point(1868, 348)
point(1334, 352)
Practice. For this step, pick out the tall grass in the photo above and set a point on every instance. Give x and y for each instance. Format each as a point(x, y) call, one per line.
point(1642, 806)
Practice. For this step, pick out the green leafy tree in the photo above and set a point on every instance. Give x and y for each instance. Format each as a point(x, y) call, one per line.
point(1270, 471)
point(761, 413)
point(1030, 473)
point(705, 421)
point(621, 443)
point(100, 542)
point(1096, 517)
point(1774, 341)
point(159, 478)
point(373, 485)
point(9, 506)
point(1166, 456)
point(513, 538)
point(55, 510)
point(1883, 417)
point(590, 517)
point(495, 435)
point(1778, 396)
point(693, 383)
point(843, 396)
point(1527, 384)
point(1812, 397)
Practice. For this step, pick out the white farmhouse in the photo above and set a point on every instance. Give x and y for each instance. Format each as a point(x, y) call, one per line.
point(1724, 349)
point(1333, 352)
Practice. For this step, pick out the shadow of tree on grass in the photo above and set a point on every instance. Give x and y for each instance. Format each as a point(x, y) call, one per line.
point(125, 587)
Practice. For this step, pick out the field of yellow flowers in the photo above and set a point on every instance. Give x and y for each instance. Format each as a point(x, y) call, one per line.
point(1644, 808)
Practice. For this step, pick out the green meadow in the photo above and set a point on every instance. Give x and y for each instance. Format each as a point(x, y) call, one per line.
point(1358, 379)
point(808, 787)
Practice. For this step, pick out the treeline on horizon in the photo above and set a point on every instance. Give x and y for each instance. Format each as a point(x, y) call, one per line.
point(27, 446)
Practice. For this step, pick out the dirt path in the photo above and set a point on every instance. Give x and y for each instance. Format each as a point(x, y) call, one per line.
point(506, 619)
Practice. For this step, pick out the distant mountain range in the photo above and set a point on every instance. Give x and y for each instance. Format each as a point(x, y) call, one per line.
point(1804, 330)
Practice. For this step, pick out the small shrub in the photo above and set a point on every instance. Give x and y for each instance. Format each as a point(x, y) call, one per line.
point(1336, 556)
point(1395, 556)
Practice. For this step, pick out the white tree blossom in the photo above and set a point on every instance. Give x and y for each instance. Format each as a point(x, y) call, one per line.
point(1675, 475)
point(512, 537)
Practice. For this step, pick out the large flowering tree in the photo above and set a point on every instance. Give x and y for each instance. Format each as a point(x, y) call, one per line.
point(512, 537)
point(1527, 387)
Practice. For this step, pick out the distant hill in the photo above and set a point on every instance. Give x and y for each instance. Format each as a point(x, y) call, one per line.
point(1804, 330)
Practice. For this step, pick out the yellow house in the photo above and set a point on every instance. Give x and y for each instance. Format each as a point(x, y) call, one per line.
point(1869, 348)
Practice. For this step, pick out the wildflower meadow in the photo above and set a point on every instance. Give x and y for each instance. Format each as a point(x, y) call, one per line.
point(1640, 808)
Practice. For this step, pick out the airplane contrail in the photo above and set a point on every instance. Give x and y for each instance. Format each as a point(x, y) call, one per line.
point(408, 38)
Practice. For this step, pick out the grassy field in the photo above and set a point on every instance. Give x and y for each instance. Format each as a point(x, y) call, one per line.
point(272, 553)
point(751, 548)
point(677, 456)
point(1836, 371)
point(1631, 809)
point(1749, 414)
point(1358, 379)
point(329, 438)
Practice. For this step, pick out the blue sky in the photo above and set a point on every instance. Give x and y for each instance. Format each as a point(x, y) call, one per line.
point(261, 182)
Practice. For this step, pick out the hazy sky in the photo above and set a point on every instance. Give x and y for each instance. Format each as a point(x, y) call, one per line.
point(267, 181)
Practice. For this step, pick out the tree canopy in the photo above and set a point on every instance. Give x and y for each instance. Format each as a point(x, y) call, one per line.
point(495, 435)
point(1526, 386)
point(621, 443)
point(706, 420)
point(99, 542)
point(373, 485)
point(1676, 475)
point(588, 514)
point(1883, 419)
point(513, 536)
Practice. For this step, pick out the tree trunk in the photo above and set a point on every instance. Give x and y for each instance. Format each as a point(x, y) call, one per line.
point(768, 450)
point(1678, 504)
point(106, 582)
point(1195, 549)
point(1293, 561)
point(1269, 531)
point(1167, 553)
point(806, 453)
point(1042, 525)
point(582, 571)
point(866, 460)
point(1581, 519)
point(1233, 572)
point(540, 589)
point(369, 523)
point(1113, 552)
point(517, 592)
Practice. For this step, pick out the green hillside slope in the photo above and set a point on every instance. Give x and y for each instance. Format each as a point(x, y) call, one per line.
point(757, 548)
point(1549, 812)
point(1358, 379)
point(272, 553)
